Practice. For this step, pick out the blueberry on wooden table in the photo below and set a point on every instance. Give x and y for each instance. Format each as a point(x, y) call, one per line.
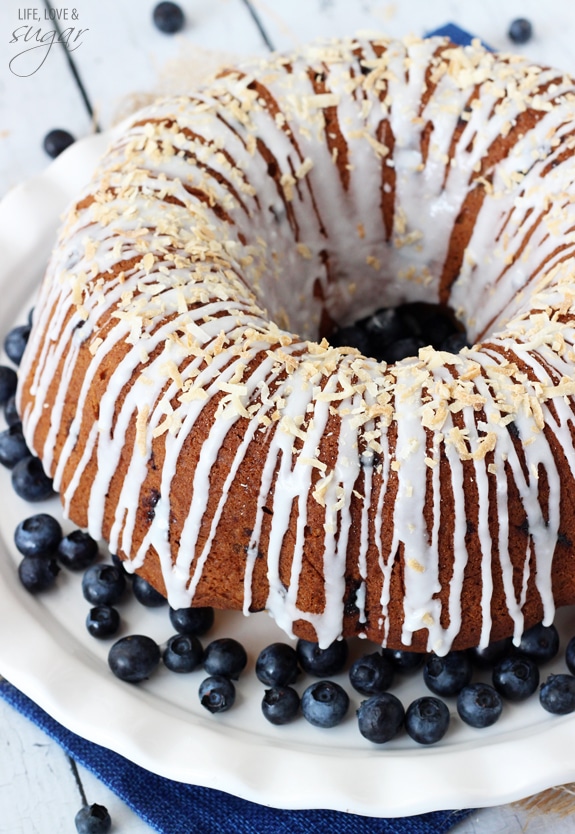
point(146, 594)
point(195, 621)
point(381, 717)
point(134, 658)
point(520, 30)
point(93, 819)
point(280, 704)
point(8, 383)
point(479, 705)
point(30, 482)
point(324, 704)
point(225, 657)
point(183, 653)
point(322, 662)
point(427, 720)
point(56, 141)
point(217, 693)
point(37, 573)
point(277, 665)
point(16, 341)
point(38, 535)
point(168, 18)
point(78, 550)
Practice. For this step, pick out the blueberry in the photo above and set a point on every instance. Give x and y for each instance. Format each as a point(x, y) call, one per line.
point(10, 411)
point(447, 675)
point(557, 694)
point(30, 482)
point(352, 336)
point(324, 704)
point(13, 447)
point(403, 349)
point(168, 17)
point(225, 657)
point(93, 819)
point(37, 573)
point(491, 654)
point(280, 704)
point(516, 677)
point(183, 653)
point(383, 328)
point(427, 720)
point(322, 662)
point(454, 342)
point(277, 665)
point(217, 694)
point(146, 594)
point(103, 584)
point(520, 30)
point(56, 141)
point(78, 550)
point(134, 658)
point(479, 705)
point(38, 535)
point(540, 643)
point(16, 341)
point(8, 383)
point(197, 621)
point(371, 674)
point(103, 621)
point(570, 655)
point(119, 563)
point(405, 661)
point(380, 718)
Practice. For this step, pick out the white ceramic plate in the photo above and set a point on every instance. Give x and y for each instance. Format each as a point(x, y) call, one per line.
point(46, 651)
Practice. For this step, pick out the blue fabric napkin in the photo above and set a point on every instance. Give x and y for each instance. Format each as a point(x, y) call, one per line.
point(174, 808)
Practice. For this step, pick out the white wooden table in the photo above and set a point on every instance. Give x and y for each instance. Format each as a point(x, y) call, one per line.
point(119, 59)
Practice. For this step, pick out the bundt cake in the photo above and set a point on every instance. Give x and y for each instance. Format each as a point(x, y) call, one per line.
point(428, 503)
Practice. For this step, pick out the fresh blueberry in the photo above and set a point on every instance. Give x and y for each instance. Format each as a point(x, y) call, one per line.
point(322, 662)
point(38, 535)
point(520, 30)
point(13, 447)
point(8, 383)
point(516, 677)
point(570, 655)
point(380, 717)
point(383, 328)
point(454, 342)
point(119, 563)
point(277, 665)
point(78, 550)
point(405, 661)
point(103, 584)
point(168, 17)
point(217, 694)
point(30, 482)
point(371, 673)
point(146, 594)
point(134, 658)
point(447, 675)
point(403, 349)
point(479, 705)
point(197, 621)
point(183, 653)
point(324, 704)
point(103, 621)
point(10, 411)
point(225, 657)
point(93, 819)
point(352, 336)
point(540, 643)
point(16, 341)
point(557, 694)
point(280, 704)
point(56, 141)
point(37, 573)
point(427, 720)
point(491, 654)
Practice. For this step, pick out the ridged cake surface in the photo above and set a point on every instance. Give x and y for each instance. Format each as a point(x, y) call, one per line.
point(231, 462)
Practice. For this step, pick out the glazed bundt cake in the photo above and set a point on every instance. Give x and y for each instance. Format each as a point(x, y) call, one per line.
point(426, 504)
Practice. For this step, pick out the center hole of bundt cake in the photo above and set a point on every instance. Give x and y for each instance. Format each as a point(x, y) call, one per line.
point(394, 333)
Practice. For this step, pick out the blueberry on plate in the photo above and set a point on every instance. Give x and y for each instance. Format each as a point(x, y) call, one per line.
point(13, 447)
point(38, 535)
point(146, 594)
point(488, 656)
point(93, 819)
point(217, 694)
point(56, 141)
point(520, 30)
point(324, 704)
point(371, 673)
point(16, 341)
point(134, 658)
point(277, 665)
point(78, 550)
point(479, 705)
point(103, 621)
point(280, 704)
point(8, 383)
point(447, 675)
point(183, 653)
point(540, 643)
point(197, 621)
point(404, 660)
point(322, 662)
point(557, 694)
point(516, 677)
point(570, 655)
point(381, 717)
point(37, 573)
point(427, 720)
point(103, 584)
point(168, 17)
point(225, 657)
point(30, 482)
point(10, 411)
